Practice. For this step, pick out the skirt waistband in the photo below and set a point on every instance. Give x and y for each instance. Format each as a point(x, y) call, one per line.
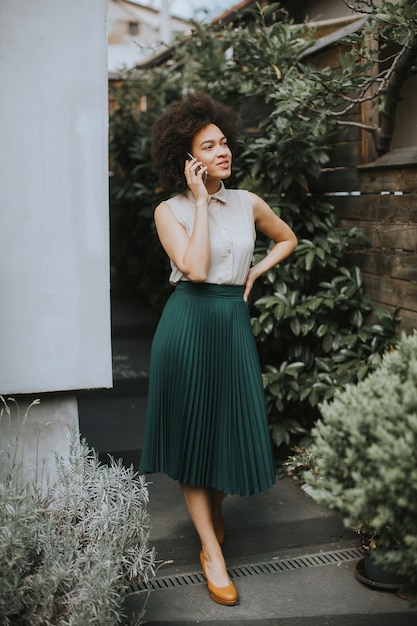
point(209, 289)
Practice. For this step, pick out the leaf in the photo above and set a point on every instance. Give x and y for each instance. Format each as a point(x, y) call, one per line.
point(323, 364)
point(271, 276)
point(362, 371)
point(282, 298)
point(277, 72)
point(309, 260)
point(295, 326)
point(294, 368)
point(351, 341)
point(321, 253)
point(272, 8)
point(314, 396)
point(305, 393)
point(327, 342)
point(357, 318)
point(349, 291)
point(358, 276)
point(322, 330)
point(279, 311)
point(308, 327)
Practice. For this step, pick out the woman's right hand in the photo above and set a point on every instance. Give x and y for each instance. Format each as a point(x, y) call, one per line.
point(195, 174)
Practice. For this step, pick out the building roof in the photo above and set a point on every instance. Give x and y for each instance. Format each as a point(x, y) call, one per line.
point(126, 48)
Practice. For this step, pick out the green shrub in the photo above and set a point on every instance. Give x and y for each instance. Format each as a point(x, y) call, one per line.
point(365, 451)
point(314, 327)
point(69, 549)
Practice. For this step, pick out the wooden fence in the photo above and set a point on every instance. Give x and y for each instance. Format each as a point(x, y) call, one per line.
point(380, 198)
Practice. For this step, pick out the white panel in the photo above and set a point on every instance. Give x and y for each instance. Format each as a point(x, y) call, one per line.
point(54, 225)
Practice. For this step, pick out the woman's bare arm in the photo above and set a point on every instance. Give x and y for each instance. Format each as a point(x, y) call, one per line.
point(191, 254)
point(276, 229)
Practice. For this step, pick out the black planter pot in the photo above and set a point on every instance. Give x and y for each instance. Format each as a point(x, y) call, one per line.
point(375, 574)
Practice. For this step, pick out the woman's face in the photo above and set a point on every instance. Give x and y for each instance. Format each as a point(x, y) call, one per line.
point(210, 147)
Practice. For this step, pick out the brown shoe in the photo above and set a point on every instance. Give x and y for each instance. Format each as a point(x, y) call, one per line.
point(222, 595)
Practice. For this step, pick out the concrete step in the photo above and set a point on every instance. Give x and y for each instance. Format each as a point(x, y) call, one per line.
point(317, 596)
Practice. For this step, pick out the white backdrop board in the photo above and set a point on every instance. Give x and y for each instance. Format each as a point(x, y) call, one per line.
point(54, 224)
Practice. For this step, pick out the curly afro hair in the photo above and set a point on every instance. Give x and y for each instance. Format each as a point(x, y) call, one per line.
point(174, 130)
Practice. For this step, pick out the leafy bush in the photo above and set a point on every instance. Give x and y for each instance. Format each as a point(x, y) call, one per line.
point(310, 316)
point(69, 550)
point(365, 451)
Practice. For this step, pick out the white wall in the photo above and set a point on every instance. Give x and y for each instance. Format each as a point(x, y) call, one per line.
point(54, 226)
point(32, 434)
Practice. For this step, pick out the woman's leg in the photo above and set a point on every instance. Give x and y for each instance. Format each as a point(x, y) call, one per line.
point(199, 504)
point(217, 498)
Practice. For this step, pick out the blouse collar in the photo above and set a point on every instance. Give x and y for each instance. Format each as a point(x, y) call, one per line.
point(219, 196)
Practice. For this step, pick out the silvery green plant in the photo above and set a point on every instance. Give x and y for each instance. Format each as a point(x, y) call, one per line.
point(70, 550)
point(365, 451)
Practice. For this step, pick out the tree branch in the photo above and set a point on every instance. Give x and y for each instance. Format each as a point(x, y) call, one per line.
point(371, 129)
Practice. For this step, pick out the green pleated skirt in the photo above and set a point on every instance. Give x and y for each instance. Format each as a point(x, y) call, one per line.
point(206, 420)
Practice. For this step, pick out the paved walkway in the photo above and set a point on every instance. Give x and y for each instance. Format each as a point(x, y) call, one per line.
point(292, 561)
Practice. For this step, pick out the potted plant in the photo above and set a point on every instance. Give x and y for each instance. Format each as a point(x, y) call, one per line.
point(365, 451)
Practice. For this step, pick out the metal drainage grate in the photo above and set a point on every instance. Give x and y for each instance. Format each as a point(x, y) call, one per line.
point(254, 569)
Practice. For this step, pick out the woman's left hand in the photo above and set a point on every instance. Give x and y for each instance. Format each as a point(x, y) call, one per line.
point(249, 283)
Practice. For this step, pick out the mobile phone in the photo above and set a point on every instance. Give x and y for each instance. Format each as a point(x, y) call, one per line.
point(190, 157)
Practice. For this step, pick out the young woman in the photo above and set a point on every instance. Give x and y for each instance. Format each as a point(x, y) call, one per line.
point(207, 425)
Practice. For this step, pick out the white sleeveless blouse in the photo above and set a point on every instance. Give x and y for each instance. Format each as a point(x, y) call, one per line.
point(232, 234)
